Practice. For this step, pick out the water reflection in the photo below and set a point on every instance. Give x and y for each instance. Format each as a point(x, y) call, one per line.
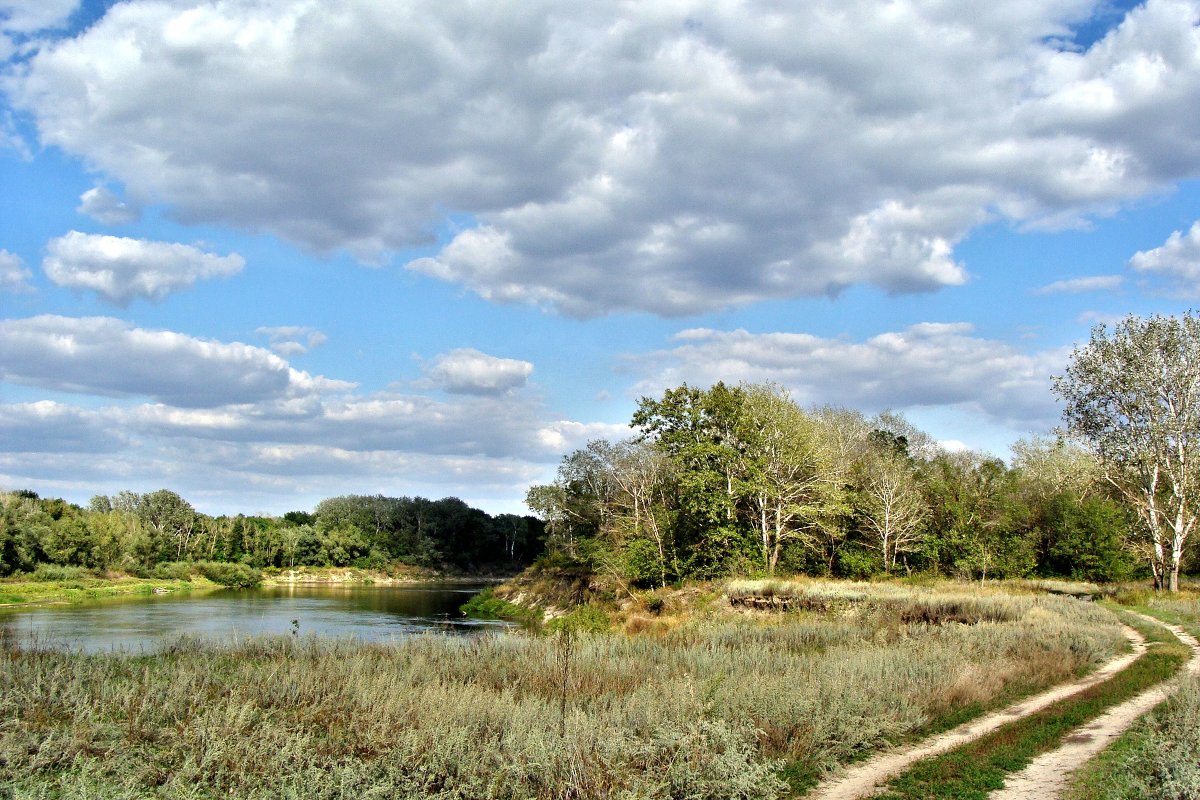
point(144, 623)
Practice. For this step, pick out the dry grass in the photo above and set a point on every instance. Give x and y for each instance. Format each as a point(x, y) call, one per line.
point(705, 709)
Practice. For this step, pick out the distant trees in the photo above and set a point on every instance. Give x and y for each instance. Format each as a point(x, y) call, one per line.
point(135, 532)
point(1133, 399)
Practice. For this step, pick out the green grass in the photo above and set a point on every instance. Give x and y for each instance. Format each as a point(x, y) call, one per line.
point(976, 769)
point(21, 591)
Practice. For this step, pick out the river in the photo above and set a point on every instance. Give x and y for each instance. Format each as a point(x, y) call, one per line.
point(145, 623)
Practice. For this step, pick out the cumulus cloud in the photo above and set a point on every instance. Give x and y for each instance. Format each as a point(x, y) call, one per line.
point(1092, 283)
point(1177, 260)
point(670, 158)
point(468, 371)
point(14, 276)
point(292, 340)
point(103, 206)
point(109, 357)
point(925, 365)
point(120, 269)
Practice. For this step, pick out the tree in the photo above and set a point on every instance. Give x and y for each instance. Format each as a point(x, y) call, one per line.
point(170, 517)
point(1133, 398)
point(889, 502)
point(783, 478)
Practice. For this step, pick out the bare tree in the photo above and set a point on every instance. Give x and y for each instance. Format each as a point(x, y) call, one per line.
point(890, 504)
point(1133, 398)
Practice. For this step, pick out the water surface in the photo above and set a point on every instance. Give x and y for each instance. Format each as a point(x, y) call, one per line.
point(148, 622)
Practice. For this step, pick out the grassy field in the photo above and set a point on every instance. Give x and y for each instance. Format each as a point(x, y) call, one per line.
point(726, 704)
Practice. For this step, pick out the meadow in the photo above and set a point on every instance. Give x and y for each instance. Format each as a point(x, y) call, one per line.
point(711, 701)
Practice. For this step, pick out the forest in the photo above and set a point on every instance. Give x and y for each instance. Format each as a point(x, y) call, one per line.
point(135, 533)
point(740, 480)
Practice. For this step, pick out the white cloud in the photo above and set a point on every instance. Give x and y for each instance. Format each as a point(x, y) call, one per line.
point(468, 371)
point(293, 340)
point(103, 206)
point(1092, 283)
point(109, 357)
point(1177, 260)
point(672, 158)
point(14, 275)
point(50, 427)
point(120, 269)
point(31, 16)
point(925, 365)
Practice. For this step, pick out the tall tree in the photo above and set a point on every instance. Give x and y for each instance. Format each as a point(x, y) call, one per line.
point(783, 480)
point(1133, 398)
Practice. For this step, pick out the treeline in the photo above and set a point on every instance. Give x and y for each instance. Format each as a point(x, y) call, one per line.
point(134, 532)
point(741, 480)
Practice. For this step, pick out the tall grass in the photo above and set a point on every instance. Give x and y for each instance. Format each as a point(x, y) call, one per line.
point(707, 710)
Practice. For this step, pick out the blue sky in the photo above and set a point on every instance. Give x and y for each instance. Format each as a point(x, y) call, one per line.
point(263, 252)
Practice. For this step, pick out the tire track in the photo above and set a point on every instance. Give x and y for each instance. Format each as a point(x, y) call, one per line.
point(1048, 775)
point(862, 780)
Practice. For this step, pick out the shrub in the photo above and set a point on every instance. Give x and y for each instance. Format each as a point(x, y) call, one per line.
point(54, 572)
point(236, 576)
point(486, 605)
point(584, 619)
point(172, 571)
point(1166, 763)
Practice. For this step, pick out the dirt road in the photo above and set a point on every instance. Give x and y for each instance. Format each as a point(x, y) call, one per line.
point(861, 780)
point(1049, 774)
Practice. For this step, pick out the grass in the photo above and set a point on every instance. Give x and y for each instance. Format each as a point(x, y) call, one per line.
point(25, 590)
point(1159, 757)
point(730, 707)
point(973, 771)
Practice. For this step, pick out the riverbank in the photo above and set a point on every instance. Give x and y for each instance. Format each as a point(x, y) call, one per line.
point(26, 592)
point(399, 576)
point(76, 586)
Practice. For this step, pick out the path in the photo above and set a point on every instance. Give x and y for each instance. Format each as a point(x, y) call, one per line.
point(861, 780)
point(1049, 774)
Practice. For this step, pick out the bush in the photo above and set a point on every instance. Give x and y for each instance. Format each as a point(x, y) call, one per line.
point(236, 576)
point(172, 571)
point(858, 564)
point(585, 619)
point(486, 605)
point(53, 572)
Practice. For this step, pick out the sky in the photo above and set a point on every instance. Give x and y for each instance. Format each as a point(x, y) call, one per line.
point(264, 252)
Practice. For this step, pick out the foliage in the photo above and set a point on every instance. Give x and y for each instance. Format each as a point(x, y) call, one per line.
point(726, 481)
point(582, 619)
point(161, 535)
point(237, 576)
point(1134, 399)
point(486, 605)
